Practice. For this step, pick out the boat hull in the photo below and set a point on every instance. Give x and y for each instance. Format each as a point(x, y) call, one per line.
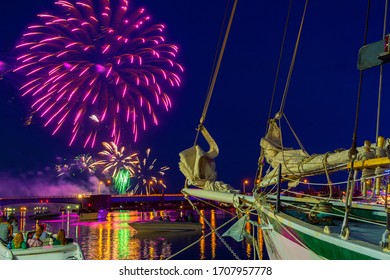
point(165, 226)
point(289, 238)
point(44, 216)
point(93, 216)
point(58, 252)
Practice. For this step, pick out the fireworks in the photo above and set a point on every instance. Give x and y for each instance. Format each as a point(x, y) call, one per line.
point(74, 168)
point(84, 163)
point(147, 173)
point(122, 181)
point(116, 163)
point(98, 70)
point(63, 170)
point(2, 69)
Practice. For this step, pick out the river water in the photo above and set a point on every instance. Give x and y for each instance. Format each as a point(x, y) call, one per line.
point(114, 239)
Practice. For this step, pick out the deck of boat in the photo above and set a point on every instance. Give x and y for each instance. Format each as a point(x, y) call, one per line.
point(360, 229)
point(369, 232)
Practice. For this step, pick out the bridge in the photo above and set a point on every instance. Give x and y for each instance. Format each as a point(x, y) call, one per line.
point(104, 200)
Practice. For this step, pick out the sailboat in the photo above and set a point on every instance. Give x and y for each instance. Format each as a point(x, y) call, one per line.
point(295, 225)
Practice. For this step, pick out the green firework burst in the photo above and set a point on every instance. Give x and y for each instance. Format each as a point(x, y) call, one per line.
point(122, 181)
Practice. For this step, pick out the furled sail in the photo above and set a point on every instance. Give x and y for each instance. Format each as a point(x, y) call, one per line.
point(296, 164)
point(199, 167)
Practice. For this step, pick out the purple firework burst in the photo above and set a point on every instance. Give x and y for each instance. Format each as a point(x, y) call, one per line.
point(98, 69)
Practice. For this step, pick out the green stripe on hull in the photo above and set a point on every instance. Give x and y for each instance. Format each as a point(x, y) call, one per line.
point(325, 249)
point(330, 251)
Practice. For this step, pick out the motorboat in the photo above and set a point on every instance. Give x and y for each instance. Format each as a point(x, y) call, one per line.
point(99, 215)
point(165, 226)
point(70, 251)
point(44, 215)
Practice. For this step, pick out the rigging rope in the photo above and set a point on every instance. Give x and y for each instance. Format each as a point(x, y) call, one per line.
point(211, 88)
point(292, 62)
point(213, 229)
point(219, 43)
point(327, 176)
point(353, 151)
point(281, 113)
point(354, 136)
point(295, 135)
point(381, 75)
point(259, 170)
point(200, 239)
point(279, 62)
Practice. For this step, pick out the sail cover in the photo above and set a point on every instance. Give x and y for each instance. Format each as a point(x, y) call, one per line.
point(296, 163)
point(199, 167)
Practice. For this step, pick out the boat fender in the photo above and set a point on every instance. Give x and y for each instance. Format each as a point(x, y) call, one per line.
point(8, 255)
point(384, 243)
point(327, 230)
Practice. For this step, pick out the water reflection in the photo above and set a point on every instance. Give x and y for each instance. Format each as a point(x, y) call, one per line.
point(260, 240)
point(213, 235)
point(114, 239)
point(248, 247)
point(203, 240)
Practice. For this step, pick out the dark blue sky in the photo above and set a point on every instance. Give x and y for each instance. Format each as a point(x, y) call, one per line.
point(320, 103)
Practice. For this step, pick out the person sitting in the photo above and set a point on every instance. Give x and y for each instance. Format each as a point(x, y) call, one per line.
point(43, 232)
point(60, 238)
point(35, 241)
point(18, 242)
point(6, 230)
point(14, 223)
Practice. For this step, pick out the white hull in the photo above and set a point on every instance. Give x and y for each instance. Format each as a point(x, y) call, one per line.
point(291, 239)
point(58, 252)
point(158, 226)
point(281, 248)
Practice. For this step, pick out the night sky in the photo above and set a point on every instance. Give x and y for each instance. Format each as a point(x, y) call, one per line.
point(320, 104)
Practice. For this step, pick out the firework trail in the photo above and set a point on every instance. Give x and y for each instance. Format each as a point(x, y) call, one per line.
point(117, 164)
point(122, 181)
point(64, 170)
point(97, 69)
point(80, 164)
point(83, 163)
point(147, 173)
point(4, 69)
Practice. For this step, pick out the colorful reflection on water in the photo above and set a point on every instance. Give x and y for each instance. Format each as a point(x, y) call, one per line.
point(114, 239)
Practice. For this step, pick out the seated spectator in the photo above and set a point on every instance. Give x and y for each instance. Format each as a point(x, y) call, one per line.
point(18, 242)
point(43, 232)
point(14, 223)
point(6, 230)
point(60, 238)
point(35, 241)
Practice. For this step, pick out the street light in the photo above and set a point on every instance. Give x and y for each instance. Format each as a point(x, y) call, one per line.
point(150, 183)
point(161, 182)
point(100, 182)
point(244, 185)
point(306, 181)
